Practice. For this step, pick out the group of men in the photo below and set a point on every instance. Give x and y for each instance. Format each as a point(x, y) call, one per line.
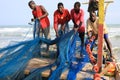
point(62, 17)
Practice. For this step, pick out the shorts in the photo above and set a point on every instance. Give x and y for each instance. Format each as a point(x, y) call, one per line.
point(46, 32)
point(106, 36)
point(81, 29)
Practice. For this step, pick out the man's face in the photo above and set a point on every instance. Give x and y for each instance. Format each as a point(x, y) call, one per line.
point(60, 9)
point(93, 17)
point(77, 9)
point(32, 5)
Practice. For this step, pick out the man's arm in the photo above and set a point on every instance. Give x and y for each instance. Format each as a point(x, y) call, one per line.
point(33, 19)
point(56, 24)
point(81, 18)
point(89, 29)
point(72, 17)
point(45, 12)
point(68, 16)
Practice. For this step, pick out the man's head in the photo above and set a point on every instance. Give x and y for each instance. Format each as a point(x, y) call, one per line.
point(92, 16)
point(32, 4)
point(60, 7)
point(93, 5)
point(77, 7)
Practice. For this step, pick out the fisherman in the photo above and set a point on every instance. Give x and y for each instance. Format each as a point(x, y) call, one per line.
point(41, 14)
point(61, 18)
point(77, 15)
point(92, 30)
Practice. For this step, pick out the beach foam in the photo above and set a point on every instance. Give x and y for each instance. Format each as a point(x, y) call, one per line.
point(20, 33)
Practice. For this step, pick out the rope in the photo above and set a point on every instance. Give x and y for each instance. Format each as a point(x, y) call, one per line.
point(88, 49)
point(27, 33)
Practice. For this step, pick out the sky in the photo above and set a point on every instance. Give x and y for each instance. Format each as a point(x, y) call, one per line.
point(17, 12)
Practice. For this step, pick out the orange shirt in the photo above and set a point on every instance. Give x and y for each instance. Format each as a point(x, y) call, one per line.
point(44, 22)
point(61, 18)
point(78, 18)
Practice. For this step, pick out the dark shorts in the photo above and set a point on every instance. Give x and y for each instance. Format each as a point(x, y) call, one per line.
point(81, 29)
point(106, 36)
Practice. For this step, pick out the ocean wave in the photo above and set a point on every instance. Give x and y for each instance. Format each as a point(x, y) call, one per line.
point(116, 51)
point(6, 30)
point(21, 32)
point(116, 48)
point(115, 37)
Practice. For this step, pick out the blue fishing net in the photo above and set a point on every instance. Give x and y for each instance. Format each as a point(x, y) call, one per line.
point(14, 58)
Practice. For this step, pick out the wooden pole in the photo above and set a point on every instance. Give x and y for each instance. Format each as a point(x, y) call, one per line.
point(100, 33)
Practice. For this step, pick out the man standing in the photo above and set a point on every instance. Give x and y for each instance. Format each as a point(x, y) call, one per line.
point(92, 29)
point(77, 16)
point(61, 17)
point(40, 14)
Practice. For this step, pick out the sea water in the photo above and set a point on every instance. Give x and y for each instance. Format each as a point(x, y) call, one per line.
point(17, 33)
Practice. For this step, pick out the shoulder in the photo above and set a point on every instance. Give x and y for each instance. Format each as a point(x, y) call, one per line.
point(32, 11)
point(55, 12)
point(81, 10)
point(41, 6)
point(72, 10)
point(66, 10)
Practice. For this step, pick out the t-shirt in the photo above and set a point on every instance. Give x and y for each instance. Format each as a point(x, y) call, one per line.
point(94, 26)
point(78, 18)
point(61, 18)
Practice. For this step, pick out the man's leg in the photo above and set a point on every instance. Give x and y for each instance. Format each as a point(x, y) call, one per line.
point(109, 46)
point(82, 35)
point(67, 28)
point(41, 32)
point(46, 32)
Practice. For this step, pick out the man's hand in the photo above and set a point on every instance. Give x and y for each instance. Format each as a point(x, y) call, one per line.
point(32, 19)
point(75, 29)
point(76, 26)
point(39, 18)
point(90, 33)
point(63, 27)
point(57, 35)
